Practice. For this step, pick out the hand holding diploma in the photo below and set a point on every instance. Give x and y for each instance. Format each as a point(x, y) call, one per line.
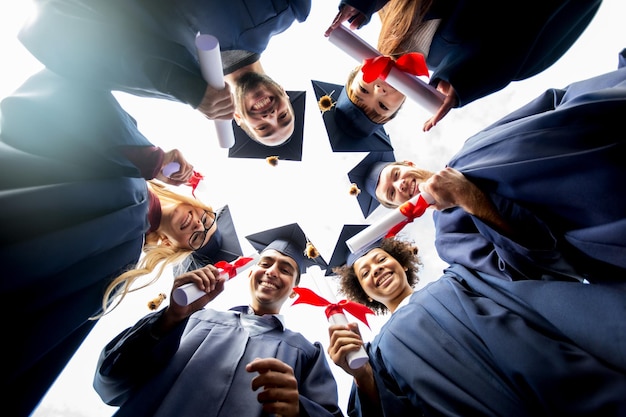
point(391, 224)
point(335, 312)
point(211, 65)
point(188, 293)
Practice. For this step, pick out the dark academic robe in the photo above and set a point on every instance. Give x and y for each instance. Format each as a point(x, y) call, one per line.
point(481, 47)
point(560, 157)
point(147, 47)
point(471, 344)
point(73, 212)
point(198, 369)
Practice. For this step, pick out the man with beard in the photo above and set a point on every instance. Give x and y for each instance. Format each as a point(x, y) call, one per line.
point(556, 158)
point(147, 48)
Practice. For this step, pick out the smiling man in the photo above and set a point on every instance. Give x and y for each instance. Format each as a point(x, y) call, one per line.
point(147, 48)
point(190, 360)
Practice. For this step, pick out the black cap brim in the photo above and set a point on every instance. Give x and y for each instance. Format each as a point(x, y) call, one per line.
point(291, 150)
point(341, 254)
point(348, 128)
point(365, 175)
point(289, 240)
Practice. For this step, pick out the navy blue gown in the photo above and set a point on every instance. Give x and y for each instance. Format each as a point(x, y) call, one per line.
point(73, 213)
point(472, 344)
point(560, 158)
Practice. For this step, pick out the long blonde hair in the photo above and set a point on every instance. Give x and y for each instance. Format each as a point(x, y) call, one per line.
point(399, 20)
point(156, 255)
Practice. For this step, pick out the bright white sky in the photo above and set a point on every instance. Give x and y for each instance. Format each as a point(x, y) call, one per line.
point(313, 192)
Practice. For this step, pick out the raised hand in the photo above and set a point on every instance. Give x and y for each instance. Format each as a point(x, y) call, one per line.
point(217, 104)
point(279, 388)
point(449, 102)
point(346, 13)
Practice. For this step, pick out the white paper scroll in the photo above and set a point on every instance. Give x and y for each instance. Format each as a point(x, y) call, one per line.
point(378, 230)
point(188, 293)
point(357, 358)
point(211, 66)
point(417, 90)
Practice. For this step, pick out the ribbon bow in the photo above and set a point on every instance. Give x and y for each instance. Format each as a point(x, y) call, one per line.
point(306, 296)
point(193, 182)
point(379, 67)
point(231, 268)
point(411, 211)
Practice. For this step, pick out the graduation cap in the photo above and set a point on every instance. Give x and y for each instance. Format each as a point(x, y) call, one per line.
point(348, 128)
point(289, 240)
point(365, 175)
point(342, 255)
point(291, 150)
point(223, 245)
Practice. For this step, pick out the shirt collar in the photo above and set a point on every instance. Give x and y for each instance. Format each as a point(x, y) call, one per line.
point(249, 310)
point(404, 302)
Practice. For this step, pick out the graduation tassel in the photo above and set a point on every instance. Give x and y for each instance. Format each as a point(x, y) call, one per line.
point(156, 302)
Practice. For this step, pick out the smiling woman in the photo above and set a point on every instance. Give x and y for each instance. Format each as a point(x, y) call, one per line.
point(313, 191)
point(83, 165)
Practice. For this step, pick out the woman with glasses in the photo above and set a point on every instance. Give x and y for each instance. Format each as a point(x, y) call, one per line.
point(80, 222)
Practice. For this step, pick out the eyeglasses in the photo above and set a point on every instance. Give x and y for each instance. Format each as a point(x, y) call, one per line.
point(197, 238)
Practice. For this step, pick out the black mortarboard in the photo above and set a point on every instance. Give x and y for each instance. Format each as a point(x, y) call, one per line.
point(223, 246)
point(245, 147)
point(365, 175)
point(342, 254)
point(289, 240)
point(348, 128)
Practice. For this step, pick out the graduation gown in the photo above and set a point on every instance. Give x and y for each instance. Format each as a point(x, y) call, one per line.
point(560, 158)
point(471, 344)
point(481, 47)
point(73, 213)
point(147, 47)
point(199, 368)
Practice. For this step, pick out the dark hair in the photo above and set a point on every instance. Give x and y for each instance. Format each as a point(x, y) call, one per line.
point(402, 251)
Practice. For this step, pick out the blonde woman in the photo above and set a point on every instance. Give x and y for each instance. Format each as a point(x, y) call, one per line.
point(77, 214)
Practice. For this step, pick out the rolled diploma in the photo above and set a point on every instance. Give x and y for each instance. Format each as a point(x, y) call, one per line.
point(188, 293)
point(170, 168)
point(378, 230)
point(417, 90)
point(211, 66)
point(355, 359)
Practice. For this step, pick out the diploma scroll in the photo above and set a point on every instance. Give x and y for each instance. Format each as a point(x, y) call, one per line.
point(211, 66)
point(188, 293)
point(335, 315)
point(417, 90)
point(381, 228)
point(170, 168)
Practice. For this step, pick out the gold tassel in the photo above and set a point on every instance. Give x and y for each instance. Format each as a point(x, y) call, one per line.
point(156, 302)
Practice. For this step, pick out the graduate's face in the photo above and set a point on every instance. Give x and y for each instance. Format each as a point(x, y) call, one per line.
point(381, 276)
point(264, 108)
point(272, 281)
point(377, 96)
point(399, 183)
point(180, 222)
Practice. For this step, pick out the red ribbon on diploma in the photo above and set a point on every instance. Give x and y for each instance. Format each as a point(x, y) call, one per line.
point(231, 268)
point(306, 296)
point(379, 67)
point(193, 182)
point(411, 211)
